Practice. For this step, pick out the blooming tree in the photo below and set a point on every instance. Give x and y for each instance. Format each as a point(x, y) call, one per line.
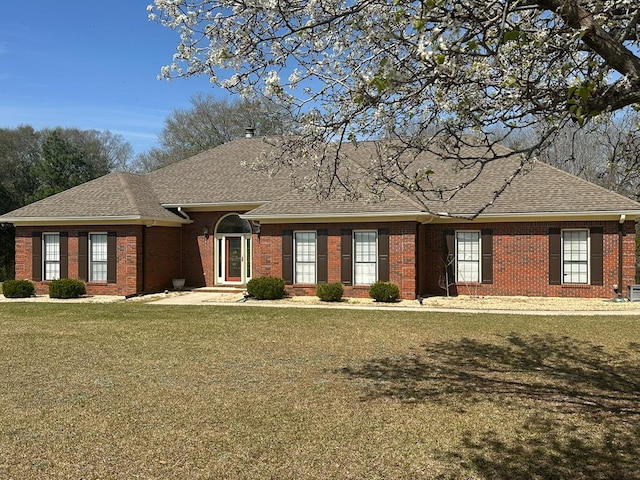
point(423, 74)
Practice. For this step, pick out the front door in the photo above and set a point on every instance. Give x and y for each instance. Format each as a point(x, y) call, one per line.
point(233, 256)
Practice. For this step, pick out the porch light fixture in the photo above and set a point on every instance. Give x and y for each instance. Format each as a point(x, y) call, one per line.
point(205, 232)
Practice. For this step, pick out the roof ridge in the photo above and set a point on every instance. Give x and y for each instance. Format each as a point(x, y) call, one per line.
point(131, 198)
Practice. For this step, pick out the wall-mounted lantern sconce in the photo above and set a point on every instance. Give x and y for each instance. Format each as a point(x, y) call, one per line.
point(205, 232)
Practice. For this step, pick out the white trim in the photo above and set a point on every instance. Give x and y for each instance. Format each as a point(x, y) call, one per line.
point(220, 252)
point(315, 259)
point(115, 220)
point(562, 262)
point(43, 248)
point(457, 280)
point(605, 215)
point(339, 217)
point(90, 257)
point(353, 254)
point(217, 206)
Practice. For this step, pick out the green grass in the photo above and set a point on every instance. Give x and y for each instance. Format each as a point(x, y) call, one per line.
point(145, 391)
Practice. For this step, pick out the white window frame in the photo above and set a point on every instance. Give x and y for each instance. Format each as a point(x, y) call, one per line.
point(459, 261)
point(586, 262)
point(356, 279)
point(92, 277)
point(46, 276)
point(297, 275)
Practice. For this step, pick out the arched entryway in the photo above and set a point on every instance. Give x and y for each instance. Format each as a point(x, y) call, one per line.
point(233, 250)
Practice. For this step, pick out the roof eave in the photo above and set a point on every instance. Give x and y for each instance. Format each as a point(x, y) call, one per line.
point(99, 220)
point(338, 217)
point(215, 206)
point(605, 215)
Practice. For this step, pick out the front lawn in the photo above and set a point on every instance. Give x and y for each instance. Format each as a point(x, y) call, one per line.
point(144, 391)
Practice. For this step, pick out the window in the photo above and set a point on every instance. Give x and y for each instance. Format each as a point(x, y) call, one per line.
point(98, 257)
point(305, 257)
point(467, 256)
point(575, 256)
point(365, 257)
point(51, 260)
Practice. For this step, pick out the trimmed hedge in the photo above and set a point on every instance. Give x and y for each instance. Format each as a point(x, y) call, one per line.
point(266, 288)
point(330, 292)
point(67, 288)
point(18, 288)
point(384, 292)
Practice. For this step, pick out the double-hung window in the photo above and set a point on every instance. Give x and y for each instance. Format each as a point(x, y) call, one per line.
point(97, 257)
point(51, 257)
point(468, 256)
point(575, 256)
point(365, 257)
point(305, 257)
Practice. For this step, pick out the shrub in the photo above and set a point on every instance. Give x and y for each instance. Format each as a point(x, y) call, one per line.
point(384, 292)
point(18, 288)
point(266, 288)
point(330, 292)
point(66, 288)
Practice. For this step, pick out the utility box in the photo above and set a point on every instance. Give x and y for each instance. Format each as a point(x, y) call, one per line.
point(633, 293)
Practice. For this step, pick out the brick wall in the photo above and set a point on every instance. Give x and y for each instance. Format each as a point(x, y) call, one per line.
point(521, 260)
point(129, 259)
point(520, 257)
point(163, 259)
point(267, 254)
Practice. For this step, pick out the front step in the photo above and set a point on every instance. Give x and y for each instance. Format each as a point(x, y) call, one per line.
point(222, 289)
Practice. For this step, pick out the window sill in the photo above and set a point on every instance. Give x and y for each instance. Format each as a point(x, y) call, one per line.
point(576, 285)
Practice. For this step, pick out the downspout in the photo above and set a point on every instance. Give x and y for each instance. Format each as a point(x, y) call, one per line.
point(620, 255)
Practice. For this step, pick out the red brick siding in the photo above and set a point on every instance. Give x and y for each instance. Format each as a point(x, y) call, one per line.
point(521, 260)
point(128, 257)
point(267, 256)
point(163, 257)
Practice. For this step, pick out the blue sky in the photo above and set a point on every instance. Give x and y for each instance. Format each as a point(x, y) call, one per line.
point(90, 65)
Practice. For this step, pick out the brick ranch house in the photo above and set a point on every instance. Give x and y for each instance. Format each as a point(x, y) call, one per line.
point(214, 222)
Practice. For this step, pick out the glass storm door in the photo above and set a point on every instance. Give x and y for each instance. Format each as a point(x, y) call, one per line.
point(233, 256)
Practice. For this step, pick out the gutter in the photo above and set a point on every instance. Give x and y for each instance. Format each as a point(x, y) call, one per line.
point(340, 217)
point(539, 216)
point(122, 220)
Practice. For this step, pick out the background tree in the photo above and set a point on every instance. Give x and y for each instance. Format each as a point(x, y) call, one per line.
point(35, 164)
point(436, 68)
point(210, 122)
point(63, 165)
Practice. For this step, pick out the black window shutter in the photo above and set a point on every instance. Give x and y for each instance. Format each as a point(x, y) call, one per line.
point(112, 258)
point(287, 256)
point(322, 264)
point(450, 254)
point(383, 254)
point(597, 274)
point(36, 256)
point(83, 259)
point(346, 269)
point(64, 254)
point(487, 255)
point(555, 260)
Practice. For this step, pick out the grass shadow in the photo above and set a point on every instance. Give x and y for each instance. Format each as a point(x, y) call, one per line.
point(573, 375)
point(581, 403)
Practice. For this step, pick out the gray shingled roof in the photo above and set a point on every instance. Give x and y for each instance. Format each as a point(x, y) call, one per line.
point(114, 195)
point(539, 188)
point(220, 176)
